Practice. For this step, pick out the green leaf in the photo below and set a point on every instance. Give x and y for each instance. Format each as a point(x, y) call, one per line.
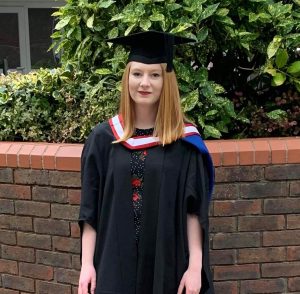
point(253, 17)
point(294, 68)
point(181, 27)
point(212, 112)
point(129, 29)
point(105, 4)
point(281, 58)
point(145, 24)
point(57, 13)
point(276, 114)
point(274, 46)
point(271, 71)
point(113, 33)
point(190, 100)
point(103, 71)
point(210, 131)
point(222, 11)
point(117, 17)
point(63, 22)
point(157, 17)
point(202, 34)
point(209, 11)
point(173, 6)
point(90, 21)
point(279, 79)
point(78, 35)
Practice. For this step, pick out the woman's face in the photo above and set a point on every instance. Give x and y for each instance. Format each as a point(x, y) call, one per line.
point(145, 83)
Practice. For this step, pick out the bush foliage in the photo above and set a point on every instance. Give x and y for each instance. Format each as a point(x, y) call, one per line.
point(231, 80)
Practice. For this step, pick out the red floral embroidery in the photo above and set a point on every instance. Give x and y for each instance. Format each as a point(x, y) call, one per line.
point(135, 197)
point(145, 152)
point(136, 183)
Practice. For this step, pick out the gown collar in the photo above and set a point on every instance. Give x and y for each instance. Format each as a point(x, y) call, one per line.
point(141, 142)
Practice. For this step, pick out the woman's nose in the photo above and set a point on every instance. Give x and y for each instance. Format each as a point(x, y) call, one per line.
point(145, 82)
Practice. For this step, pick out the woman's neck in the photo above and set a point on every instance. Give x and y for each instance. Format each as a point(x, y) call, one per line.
point(145, 116)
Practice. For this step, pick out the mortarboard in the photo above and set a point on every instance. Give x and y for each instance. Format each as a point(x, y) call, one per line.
point(151, 47)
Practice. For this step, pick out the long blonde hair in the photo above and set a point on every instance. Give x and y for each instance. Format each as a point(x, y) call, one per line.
point(169, 123)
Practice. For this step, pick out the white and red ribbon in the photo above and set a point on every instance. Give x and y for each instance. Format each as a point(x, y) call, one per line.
point(141, 142)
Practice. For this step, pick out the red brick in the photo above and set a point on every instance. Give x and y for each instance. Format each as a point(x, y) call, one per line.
point(293, 146)
point(47, 287)
point(262, 154)
point(19, 223)
point(223, 257)
point(74, 290)
point(74, 196)
point(294, 284)
point(261, 223)
point(49, 156)
point(295, 188)
point(54, 258)
point(293, 253)
point(236, 272)
point(239, 174)
point(283, 172)
point(49, 194)
point(32, 177)
point(67, 276)
point(66, 244)
point(52, 227)
point(68, 157)
point(281, 238)
point(15, 191)
point(238, 207)
point(215, 151)
point(229, 152)
point(236, 240)
point(246, 152)
point(18, 283)
point(226, 287)
point(32, 208)
point(76, 264)
point(222, 224)
point(65, 179)
point(17, 253)
point(278, 151)
point(8, 291)
point(6, 175)
point(34, 240)
point(263, 286)
point(75, 231)
point(8, 237)
point(11, 154)
point(8, 267)
point(36, 271)
point(259, 255)
point(226, 191)
point(264, 189)
point(7, 206)
point(293, 221)
point(283, 269)
point(36, 156)
point(62, 211)
point(279, 206)
point(24, 155)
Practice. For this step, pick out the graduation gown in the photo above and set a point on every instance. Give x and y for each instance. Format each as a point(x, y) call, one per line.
point(175, 182)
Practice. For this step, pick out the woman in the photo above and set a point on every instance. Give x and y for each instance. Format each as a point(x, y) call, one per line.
point(146, 183)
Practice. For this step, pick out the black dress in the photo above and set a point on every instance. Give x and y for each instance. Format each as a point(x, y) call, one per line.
point(175, 182)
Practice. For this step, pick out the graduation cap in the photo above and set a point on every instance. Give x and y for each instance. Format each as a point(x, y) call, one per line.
point(151, 47)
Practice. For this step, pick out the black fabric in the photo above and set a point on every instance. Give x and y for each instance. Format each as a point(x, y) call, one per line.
point(151, 47)
point(175, 181)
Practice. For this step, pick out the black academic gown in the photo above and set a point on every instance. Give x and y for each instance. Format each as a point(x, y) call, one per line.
point(175, 181)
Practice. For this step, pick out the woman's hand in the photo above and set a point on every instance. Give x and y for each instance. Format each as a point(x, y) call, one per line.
point(191, 282)
point(87, 277)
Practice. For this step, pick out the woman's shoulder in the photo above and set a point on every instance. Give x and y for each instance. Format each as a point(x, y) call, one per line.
point(102, 131)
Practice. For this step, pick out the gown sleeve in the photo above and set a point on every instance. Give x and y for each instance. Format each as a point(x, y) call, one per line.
point(90, 179)
point(197, 202)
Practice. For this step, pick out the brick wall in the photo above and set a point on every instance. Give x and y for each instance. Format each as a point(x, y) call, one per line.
point(255, 217)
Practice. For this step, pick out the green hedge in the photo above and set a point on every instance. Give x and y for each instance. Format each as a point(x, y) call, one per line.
point(243, 82)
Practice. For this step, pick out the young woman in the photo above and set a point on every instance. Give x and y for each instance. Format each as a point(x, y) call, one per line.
point(146, 183)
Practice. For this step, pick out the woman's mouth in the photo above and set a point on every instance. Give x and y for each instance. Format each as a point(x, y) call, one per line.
point(144, 93)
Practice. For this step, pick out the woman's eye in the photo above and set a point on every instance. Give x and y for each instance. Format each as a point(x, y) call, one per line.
point(156, 75)
point(136, 74)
